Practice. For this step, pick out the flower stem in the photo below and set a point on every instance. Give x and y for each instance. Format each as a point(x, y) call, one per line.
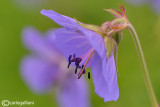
point(144, 66)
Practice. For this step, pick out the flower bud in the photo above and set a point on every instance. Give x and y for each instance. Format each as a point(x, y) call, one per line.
point(119, 24)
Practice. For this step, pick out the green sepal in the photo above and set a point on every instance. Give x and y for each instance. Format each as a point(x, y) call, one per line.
point(118, 37)
point(114, 12)
point(109, 44)
point(116, 58)
point(92, 27)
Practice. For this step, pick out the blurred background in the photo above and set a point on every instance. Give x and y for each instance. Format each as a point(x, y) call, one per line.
point(16, 14)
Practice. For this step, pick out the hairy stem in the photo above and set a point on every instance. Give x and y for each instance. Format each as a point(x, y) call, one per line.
point(143, 66)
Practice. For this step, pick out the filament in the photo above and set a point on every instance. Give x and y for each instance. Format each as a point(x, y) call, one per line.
point(85, 65)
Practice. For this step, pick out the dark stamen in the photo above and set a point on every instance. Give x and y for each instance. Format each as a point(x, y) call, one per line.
point(78, 60)
point(76, 69)
point(72, 58)
point(69, 59)
point(88, 75)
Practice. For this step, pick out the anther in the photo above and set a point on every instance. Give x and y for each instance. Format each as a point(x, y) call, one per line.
point(77, 61)
point(74, 57)
point(88, 75)
point(76, 69)
point(69, 60)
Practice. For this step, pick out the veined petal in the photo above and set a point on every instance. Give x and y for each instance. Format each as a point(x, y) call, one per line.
point(38, 74)
point(95, 40)
point(110, 76)
point(60, 19)
point(71, 42)
point(102, 87)
point(73, 93)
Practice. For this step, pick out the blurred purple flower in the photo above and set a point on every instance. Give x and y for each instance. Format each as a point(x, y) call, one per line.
point(86, 48)
point(46, 69)
point(155, 4)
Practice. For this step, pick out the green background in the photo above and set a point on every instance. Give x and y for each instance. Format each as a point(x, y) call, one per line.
point(14, 17)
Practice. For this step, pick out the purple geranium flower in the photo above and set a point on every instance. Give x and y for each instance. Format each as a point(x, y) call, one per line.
point(46, 69)
point(86, 47)
point(155, 4)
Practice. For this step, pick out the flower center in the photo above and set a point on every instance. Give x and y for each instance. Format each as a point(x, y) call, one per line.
point(81, 62)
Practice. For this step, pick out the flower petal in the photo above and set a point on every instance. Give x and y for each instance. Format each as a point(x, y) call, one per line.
point(60, 19)
point(110, 75)
point(38, 74)
point(71, 42)
point(74, 93)
point(95, 40)
point(102, 88)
